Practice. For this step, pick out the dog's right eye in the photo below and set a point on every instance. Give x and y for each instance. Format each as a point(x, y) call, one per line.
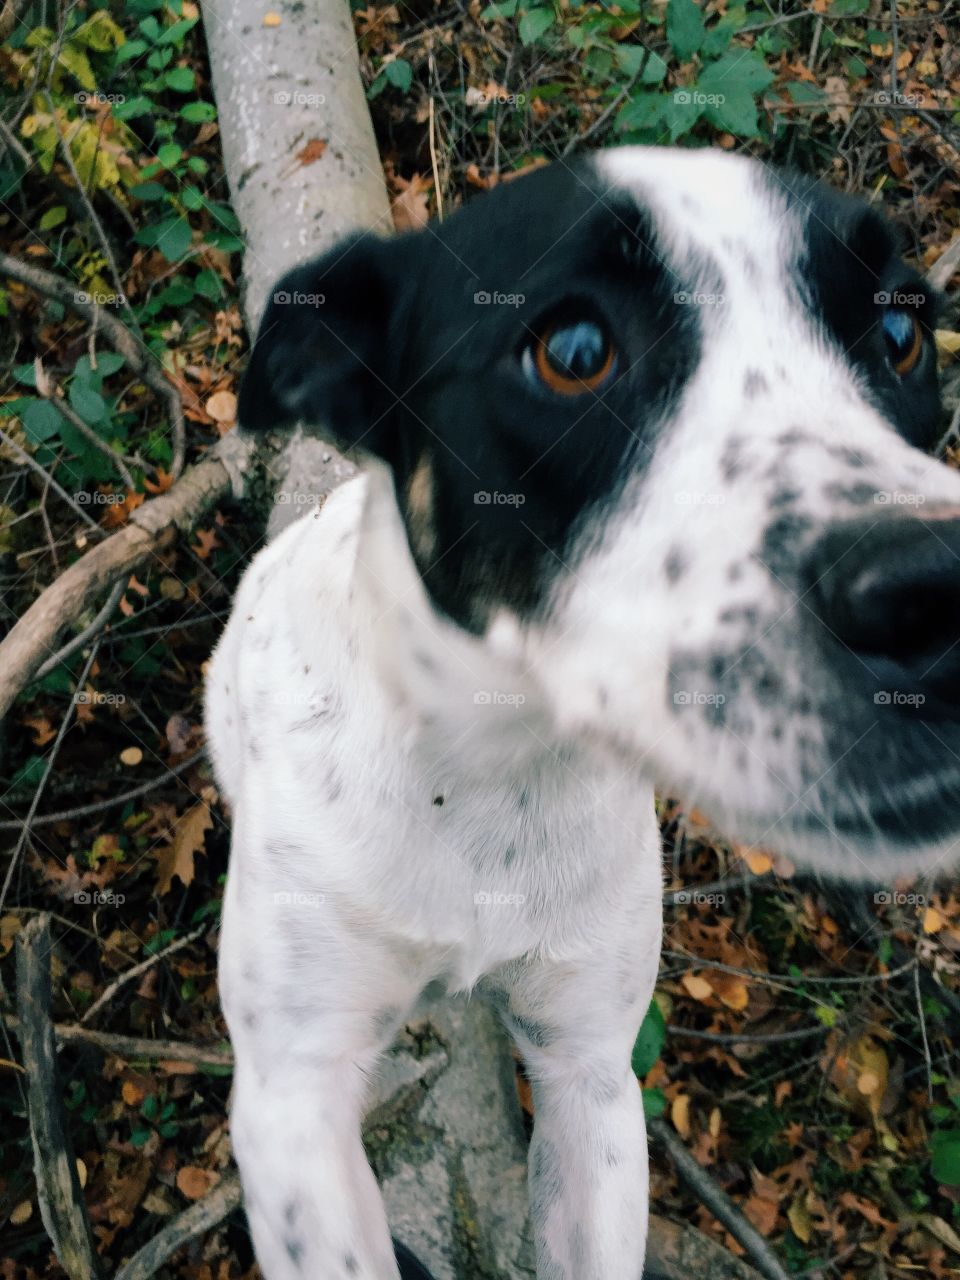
point(570, 358)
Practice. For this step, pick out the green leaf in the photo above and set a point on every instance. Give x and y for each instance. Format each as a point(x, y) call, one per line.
point(399, 73)
point(633, 58)
point(108, 362)
point(654, 1103)
point(53, 217)
point(534, 24)
point(197, 164)
point(825, 1014)
point(130, 108)
point(642, 111)
point(151, 1106)
point(132, 49)
point(856, 68)
point(99, 33)
point(160, 59)
point(180, 79)
point(209, 285)
point(139, 1137)
point(849, 8)
point(192, 198)
point(169, 154)
point(148, 191)
point(41, 421)
point(945, 1157)
point(680, 112)
point(506, 9)
point(151, 29)
point(175, 34)
point(801, 91)
point(738, 69)
point(26, 374)
point(87, 401)
point(685, 29)
point(649, 1042)
point(174, 238)
point(198, 112)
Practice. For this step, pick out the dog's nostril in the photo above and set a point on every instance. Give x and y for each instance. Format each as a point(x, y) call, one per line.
point(890, 590)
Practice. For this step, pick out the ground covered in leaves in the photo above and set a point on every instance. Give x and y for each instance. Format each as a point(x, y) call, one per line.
point(803, 1039)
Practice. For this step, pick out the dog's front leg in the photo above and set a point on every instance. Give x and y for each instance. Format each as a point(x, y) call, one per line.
point(310, 1004)
point(575, 1028)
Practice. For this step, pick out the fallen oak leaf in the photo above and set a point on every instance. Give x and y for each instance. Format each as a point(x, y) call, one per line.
point(194, 1182)
point(177, 857)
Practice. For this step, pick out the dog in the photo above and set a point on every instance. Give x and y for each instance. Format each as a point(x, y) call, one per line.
point(644, 496)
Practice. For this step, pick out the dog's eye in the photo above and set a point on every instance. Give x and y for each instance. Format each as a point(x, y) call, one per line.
point(904, 336)
point(570, 358)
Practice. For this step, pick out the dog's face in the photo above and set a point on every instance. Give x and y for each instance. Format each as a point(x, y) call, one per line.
point(663, 415)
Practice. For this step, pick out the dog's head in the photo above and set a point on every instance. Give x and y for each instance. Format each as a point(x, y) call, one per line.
point(666, 411)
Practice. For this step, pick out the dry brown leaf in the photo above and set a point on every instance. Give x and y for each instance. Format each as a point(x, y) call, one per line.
point(176, 858)
point(410, 208)
point(22, 1213)
point(697, 987)
point(131, 756)
point(271, 19)
point(799, 1218)
point(132, 1093)
point(309, 154)
point(194, 1182)
point(680, 1114)
point(222, 406)
point(932, 920)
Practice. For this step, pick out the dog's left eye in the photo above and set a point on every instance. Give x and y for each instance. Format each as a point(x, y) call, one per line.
point(571, 358)
point(904, 336)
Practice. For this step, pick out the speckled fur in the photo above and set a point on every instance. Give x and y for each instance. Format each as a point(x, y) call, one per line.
point(397, 819)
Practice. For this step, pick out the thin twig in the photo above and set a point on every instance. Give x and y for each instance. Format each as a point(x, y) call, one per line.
point(48, 390)
point(110, 802)
point(140, 358)
point(695, 962)
point(81, 639)
point(923, 1032)
point(54, 1163)
point(131, 1047)
point(745, 1037)
point(580, 138)
point(95, 222)
point(110, 991)
point(199, 1219)
point(718, 1202)
point(48, 767)
point(22, 456)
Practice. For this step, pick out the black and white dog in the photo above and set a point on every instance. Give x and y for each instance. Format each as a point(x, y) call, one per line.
point(645, 498)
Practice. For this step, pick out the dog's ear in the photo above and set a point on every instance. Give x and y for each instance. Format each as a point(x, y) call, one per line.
point(321, 353)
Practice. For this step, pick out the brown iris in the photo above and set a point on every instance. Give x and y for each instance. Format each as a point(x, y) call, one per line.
point(573, 357)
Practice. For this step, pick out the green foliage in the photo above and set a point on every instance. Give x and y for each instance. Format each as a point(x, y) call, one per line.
point(649, 1042)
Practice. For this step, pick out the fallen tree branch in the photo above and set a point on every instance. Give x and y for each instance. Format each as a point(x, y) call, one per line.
point(195, 1221)
point(718, 1202)
point(62, 1206)
point(139, 357)
point(118, 983)
point(677, 1252)
point(150, 529)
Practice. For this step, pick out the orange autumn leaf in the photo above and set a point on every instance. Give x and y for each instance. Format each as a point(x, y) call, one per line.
point(177, 857)
point(194, 1182)
point(697, 987)
point(162, 483)
point(680, 1114)
point(312, 152)
point(207, 540)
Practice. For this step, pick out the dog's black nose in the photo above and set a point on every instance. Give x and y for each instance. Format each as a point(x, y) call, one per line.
point(888, 591)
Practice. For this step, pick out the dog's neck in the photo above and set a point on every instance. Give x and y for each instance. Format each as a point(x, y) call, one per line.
point(477, 694)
